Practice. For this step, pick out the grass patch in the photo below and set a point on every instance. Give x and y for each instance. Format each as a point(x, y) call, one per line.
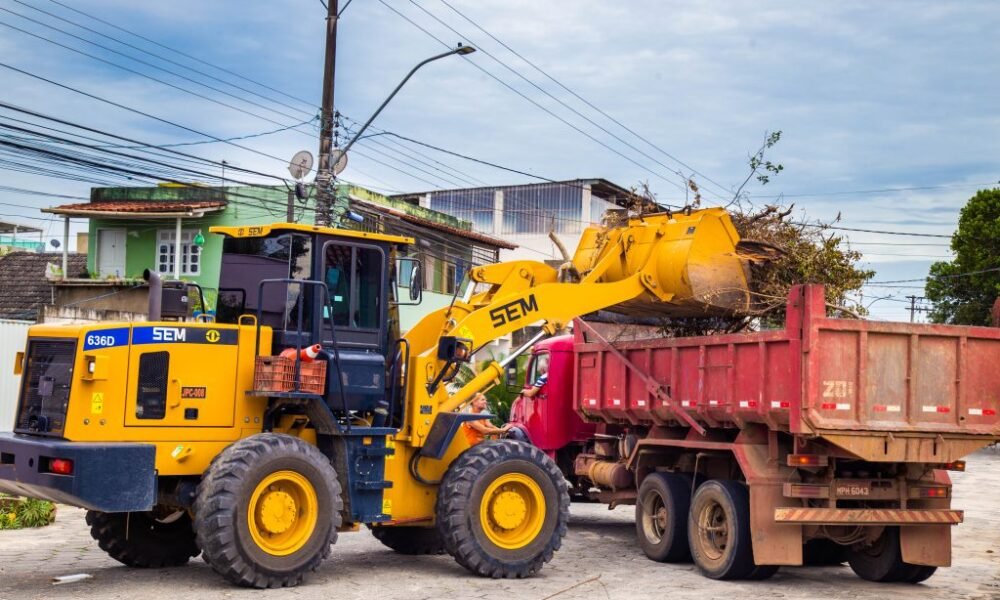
point(19, 513)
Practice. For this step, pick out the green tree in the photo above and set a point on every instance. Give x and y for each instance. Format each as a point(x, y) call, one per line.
point(966, 299)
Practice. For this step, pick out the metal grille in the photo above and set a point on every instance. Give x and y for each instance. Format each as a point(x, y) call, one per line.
point(151, 397)
point(48, 375)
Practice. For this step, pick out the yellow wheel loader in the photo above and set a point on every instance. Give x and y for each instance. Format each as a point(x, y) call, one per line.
point(240, 440)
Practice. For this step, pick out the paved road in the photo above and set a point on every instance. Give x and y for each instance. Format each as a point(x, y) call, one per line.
point(599, 557)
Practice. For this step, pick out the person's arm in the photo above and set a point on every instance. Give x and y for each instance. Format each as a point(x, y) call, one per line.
point(536, 387)
point(484, 427)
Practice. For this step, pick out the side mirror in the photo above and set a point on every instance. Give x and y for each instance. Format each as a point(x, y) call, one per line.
point(408, 274)
point(454, 350)
point(416, 282)
point(511, 379)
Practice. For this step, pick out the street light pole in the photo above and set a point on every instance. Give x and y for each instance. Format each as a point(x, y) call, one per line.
point(458, 50)
point(330, 176)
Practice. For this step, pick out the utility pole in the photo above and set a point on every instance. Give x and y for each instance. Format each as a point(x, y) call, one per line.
point(914, 309)
point(324, 173)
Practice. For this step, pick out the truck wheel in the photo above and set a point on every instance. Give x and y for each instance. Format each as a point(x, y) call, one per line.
point(661, 517)
point(144, 539)
point(881, 561)
point(918, 573)
point(410, 540)
point(267, 511)
point(502, 509)
point(719, 530)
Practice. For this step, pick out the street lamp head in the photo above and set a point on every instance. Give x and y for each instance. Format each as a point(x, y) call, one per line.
point(464, 49)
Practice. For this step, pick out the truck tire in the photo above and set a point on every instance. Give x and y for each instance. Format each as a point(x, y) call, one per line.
point(267, 511)
point(661, 517)
point(719, 530)
point(142, 540)
point(502, 509)
point(918, 573)
point(883, 561)
point(412, 541)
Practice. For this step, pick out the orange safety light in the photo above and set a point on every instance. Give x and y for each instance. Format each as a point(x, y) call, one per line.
point(807, 460)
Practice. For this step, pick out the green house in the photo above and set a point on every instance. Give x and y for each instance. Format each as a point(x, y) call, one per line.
point(166, 229)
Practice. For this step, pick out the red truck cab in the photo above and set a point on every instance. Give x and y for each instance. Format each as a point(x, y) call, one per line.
point(549, 419)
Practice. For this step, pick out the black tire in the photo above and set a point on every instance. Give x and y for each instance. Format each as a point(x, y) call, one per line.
point(918, 573)
point(881, 561)
point(762, 572)
point(661, 517)
point(823, 553)
point(719, 530)
point(232, 485)
point(142, 540)
point(412, 541)
point(462, 495)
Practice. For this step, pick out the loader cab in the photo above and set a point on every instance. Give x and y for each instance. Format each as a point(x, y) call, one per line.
point(347, 299)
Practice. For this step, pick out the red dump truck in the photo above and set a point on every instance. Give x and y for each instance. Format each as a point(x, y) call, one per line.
point(828, 440)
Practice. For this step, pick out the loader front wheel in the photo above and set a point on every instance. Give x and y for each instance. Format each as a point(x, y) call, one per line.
point(502, 509)
point(410, 540)
point(145, 539)
point(267, 511)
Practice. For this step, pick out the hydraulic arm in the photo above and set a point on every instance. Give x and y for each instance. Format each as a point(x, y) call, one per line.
point(664, 264)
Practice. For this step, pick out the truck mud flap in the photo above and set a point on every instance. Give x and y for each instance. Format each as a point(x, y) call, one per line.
point(867, 516)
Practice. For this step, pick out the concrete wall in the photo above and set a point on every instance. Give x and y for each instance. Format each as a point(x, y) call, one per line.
point(66, 315)
point(13, 335)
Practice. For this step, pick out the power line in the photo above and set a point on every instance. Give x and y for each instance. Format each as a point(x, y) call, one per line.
point(906, 233)
point(184, 54)
point(157, 80)
point(522, 95)
point(886, 190)
point(229, 139)
point(553, 97)
point(953, 276)
point(587, 102)
point(160, 57)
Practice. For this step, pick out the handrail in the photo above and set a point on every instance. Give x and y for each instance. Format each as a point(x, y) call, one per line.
point(304, 283)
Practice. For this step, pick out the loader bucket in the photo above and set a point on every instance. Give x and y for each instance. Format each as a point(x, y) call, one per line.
point(689, 261)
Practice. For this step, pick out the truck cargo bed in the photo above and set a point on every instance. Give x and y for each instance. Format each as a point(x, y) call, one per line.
point(819, 375)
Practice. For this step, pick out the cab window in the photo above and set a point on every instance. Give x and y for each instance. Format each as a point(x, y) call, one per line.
point(353, 274)
point(247, 261)
point(534, 369)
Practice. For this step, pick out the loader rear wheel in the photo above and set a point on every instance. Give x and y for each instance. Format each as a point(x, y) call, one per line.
point(719, 531)
point(145, 539)
point(502, 509)
point(882, 561)
point(661, 517)
point(410, 540)
point(267, 511)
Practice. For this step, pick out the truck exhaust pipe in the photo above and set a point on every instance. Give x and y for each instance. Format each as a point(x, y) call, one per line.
point(155, 294)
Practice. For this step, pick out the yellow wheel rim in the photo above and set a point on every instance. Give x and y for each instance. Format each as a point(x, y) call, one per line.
point(283, 512)
point(512, 511)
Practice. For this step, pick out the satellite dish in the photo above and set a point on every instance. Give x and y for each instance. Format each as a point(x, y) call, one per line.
point(301, 164)
point(55, 243)
point(339, 160)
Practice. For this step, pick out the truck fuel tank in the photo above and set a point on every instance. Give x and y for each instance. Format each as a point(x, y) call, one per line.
point(688, 262)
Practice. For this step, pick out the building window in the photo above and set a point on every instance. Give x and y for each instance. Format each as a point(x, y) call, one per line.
point(165, 249)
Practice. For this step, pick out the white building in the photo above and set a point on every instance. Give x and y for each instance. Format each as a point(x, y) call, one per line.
point(524, 214)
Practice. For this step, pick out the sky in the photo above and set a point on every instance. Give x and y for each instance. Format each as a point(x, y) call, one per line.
point(888, 111)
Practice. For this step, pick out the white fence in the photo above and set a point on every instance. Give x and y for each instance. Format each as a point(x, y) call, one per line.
point(12, 338)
